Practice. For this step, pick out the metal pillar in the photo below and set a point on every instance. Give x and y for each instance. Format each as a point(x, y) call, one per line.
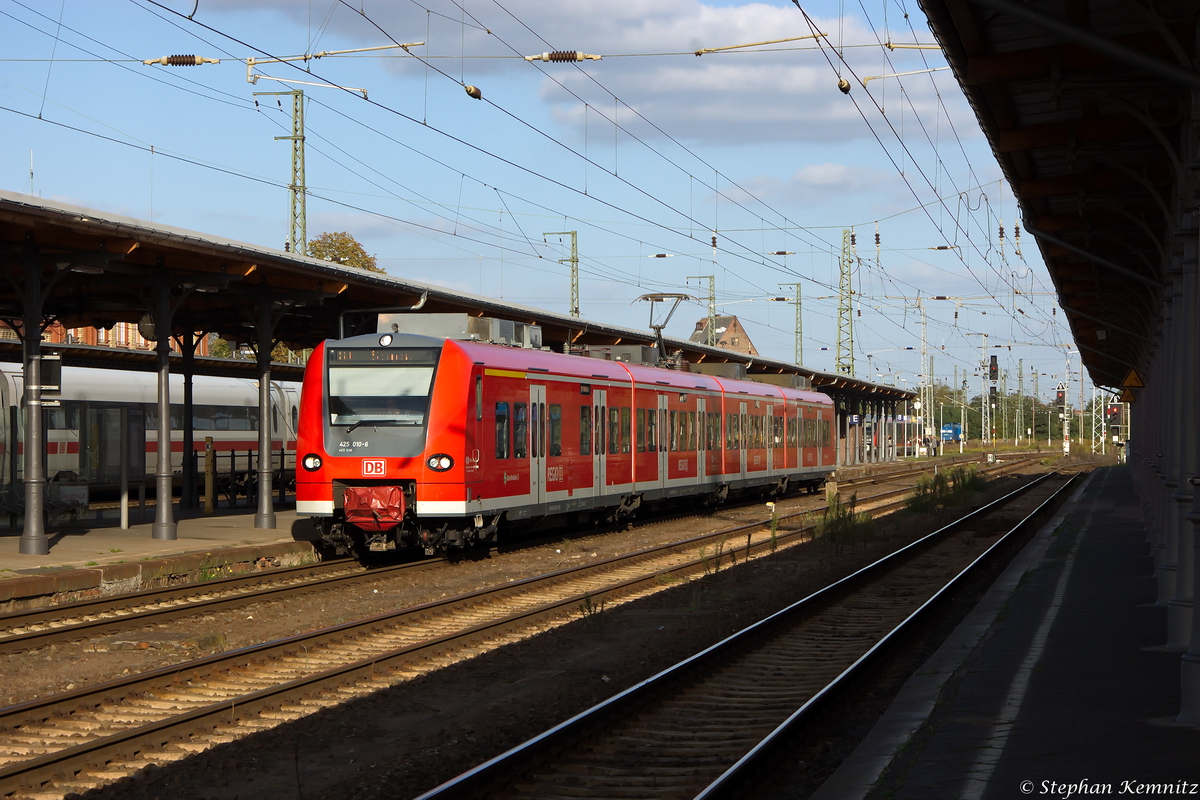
point(1189, 668)
point(844, 362)
point(710, 335)
point(33, 534)
point(574, 262)
point(798, 347)
point(1166, 379)
point(1179, 609)
point(164, 518)
point(264, 330)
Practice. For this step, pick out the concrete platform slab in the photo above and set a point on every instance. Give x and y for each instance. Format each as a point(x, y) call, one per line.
point(103, 560)
point(1057, 685)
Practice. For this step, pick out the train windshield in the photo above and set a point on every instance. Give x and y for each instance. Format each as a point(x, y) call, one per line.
point(382, 386)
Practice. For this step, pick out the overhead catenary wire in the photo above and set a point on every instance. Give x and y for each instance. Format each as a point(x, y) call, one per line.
point(736, 242)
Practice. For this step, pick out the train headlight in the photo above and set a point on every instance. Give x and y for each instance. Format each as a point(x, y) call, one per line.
point(385, 340)
point(311, 462)
point(440, 463)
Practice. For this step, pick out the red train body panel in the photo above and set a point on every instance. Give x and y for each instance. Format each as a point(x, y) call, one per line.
point(478, 436)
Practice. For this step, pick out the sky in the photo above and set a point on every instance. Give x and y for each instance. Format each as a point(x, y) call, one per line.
point(649, 150)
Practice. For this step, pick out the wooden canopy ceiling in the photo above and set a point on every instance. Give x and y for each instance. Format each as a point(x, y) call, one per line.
point(104, 267)
point(1088, 107)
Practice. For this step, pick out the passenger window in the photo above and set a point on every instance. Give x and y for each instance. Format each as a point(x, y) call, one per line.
point(520, 430)
point(555, 429)
point(585, 431)
point(479, 398)
point(641, 430)
point(651, 433)
point(501, 430)
point(614, 430)
point(625, 436)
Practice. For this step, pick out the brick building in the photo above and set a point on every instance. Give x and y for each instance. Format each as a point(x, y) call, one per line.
point(730, 335)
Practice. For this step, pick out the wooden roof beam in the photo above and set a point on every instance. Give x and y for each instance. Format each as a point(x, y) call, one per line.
point(1037, 62)
point(1060, 134)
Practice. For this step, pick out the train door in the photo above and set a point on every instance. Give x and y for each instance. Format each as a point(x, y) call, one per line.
point(599, 437)
point(471, 459)
point(537, 444)
point(701, 432)
point(665, 434)
point(744, 428)
point(768, 422)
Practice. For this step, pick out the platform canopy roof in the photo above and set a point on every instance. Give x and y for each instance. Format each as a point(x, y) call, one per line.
point(1089, 107)
point(104, 267)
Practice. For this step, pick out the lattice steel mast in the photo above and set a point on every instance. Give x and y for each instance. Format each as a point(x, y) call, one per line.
point(845, 332)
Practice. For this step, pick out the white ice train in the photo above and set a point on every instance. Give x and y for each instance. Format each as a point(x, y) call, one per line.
point(83, 432)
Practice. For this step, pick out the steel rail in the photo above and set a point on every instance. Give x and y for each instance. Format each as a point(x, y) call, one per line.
point(481, 779)
point(143, 608)
point(722, 786)
point(153, 735)
point(121, 612)
point(45, 711)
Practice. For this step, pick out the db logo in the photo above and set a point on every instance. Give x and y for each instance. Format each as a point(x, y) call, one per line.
point(374, 468)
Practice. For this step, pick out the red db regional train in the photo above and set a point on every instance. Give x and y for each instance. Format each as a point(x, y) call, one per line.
point(411, 440)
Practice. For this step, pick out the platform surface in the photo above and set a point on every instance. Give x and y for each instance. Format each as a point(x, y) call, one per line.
point(1057, 685)
point(74, 545)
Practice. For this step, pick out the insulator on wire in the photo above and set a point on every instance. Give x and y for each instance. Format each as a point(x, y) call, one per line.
point(1002, 233)
point(853, 238)
point(563, 55)
point(181, 61)
point(877, 238)
point(714, 241)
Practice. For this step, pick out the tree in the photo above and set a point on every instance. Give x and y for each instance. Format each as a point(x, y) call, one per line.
point(342, 248)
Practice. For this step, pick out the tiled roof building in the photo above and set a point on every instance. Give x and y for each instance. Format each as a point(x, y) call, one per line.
point(730, 335)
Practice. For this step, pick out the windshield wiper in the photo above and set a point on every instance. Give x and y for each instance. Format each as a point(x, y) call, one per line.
point(386, 423)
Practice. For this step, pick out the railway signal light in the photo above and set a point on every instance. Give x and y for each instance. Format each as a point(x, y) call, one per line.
point(993, 370)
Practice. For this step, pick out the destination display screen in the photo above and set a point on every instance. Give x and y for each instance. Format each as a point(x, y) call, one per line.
point(382, 355)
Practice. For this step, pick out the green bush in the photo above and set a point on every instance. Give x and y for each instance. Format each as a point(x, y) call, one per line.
point(945, 488)
point(840, 525)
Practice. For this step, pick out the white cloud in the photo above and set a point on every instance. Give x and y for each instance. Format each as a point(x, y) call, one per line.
point(729, 98)
point(813, 184)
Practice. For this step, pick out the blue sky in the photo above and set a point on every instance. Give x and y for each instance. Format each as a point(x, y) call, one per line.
point(756, 143)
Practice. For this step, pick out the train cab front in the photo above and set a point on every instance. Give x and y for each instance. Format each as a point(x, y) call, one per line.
point(364, 421)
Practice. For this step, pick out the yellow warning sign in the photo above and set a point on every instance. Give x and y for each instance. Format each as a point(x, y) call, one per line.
point(1132, 380)
point(1127, 396)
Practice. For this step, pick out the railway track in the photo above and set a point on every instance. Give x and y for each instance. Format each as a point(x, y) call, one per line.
point(695, 729)
point(98, 734)
point(108, 616)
